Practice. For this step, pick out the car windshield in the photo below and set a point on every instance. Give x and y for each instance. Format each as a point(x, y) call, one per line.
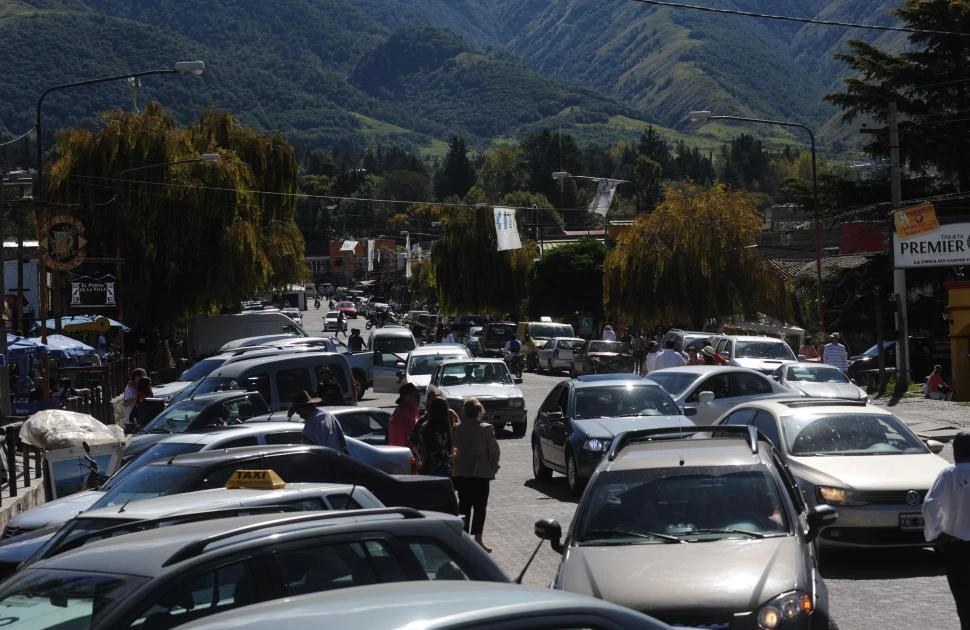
point(815, 374)
point(674, 383)
point(213, 384)
point(873, 352)
point(614, 401)
point(177, 418)
point(548, 331)
point(201, 369)
point(763, 350)
point(426, 364)
point(149, 482)
point(156, 452)
point(689, 504)
point(475, 374)
point(394, 345)
point(333, 315)
point(346, 305)
point(828, 434)
point(52, 598)
point(570, 344)
point(71, 534)
point(605, 346)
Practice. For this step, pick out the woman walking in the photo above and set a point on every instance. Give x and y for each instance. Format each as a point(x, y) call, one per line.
point(475, 465)
point(434, 440)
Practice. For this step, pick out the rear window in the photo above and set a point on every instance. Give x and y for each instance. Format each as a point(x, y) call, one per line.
point(673, 383)
point(548, 331)
point(158, 452)
point(763, 350)
point(397, 344)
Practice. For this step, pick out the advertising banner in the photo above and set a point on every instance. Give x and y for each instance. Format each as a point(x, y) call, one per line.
point(946, 246)
point(87, 292)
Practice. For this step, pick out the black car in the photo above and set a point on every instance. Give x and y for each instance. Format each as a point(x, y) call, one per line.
point(601, 357)
point(494, 336)
point(200, 471)
point(580, 417)
point(921, 360)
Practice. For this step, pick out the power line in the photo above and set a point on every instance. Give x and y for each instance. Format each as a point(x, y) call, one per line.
point(18, 138)
point(787, 18)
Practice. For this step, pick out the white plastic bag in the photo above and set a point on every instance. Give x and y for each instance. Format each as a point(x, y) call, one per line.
point(53, 429)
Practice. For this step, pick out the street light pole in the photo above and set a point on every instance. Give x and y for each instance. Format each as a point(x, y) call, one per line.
point(697, 116)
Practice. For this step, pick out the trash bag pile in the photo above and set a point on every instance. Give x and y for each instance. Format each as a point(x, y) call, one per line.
point(53, 429)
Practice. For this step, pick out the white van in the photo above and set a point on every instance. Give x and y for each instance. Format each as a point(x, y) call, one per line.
point(208, 334)
point(391, 345)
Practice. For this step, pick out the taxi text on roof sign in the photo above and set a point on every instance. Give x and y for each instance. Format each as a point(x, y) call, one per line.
point(255, 479)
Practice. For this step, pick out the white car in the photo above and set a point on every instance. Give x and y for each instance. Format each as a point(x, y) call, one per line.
point(764, 354)
point(557, 353)
point(488, 380)
point(819, 380)
point(714, 389)
point(330, 322)
point(424, 359)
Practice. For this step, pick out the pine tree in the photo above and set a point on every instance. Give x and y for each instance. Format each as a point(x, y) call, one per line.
point(457, 175)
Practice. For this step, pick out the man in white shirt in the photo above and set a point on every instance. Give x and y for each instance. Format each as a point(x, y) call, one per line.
point(669, 357)
point(608, 334)
point(835, 355)
point(946, 520)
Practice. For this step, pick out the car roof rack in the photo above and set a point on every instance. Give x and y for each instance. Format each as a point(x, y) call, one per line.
point(196, 547)
point(748, 432)
point(796, 403)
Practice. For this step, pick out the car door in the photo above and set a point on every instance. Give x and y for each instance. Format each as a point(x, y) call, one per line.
point(386, 368)
point(747, 386)
point(543, 423)
point(720, 385)
point(365, 426)
point(559, 431)
point(546, 352)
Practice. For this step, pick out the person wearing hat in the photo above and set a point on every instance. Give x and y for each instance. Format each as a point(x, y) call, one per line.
point(711, 357)
point(608, 333)
point(693, 358)
point(946, 521)
point(320, 427)
point(834, 353)
point(405, 416)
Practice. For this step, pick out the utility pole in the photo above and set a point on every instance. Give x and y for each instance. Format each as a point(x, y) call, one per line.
point(899, 275)
point(4, 369)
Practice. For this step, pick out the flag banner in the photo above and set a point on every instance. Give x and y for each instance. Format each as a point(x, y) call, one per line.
point(506, 231)
point(407, 257)
point(604, 196)
point(348, 246)
point(370, 255)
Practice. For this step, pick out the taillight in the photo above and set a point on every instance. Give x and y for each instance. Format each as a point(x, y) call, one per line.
point(414, 465)
point(555, 354)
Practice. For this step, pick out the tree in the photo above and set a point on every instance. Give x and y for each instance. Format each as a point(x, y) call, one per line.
point(745, 165)
point(195, 237)
point(692, 260)
point(547, 152)
point(653, 146)
point(504, 170)
point(646, 180)
point(457, 175)
point(550, 220)
point(929, 81)
point(568, 279)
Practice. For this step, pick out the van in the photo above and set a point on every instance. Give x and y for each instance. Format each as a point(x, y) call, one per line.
point(391, 345)
point(280, 378)
point(208, 334)
point(534, 336)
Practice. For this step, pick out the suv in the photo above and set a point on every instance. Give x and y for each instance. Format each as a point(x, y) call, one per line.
point(683, 339)
point(494, 336)
point(171, 576)
point(534, 336)
point(657, 490)
point(764, 354)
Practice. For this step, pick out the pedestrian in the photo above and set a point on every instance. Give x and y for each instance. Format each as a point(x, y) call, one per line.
point(693, 358)
point(405, 416)
point(839, 338)
point(608, 334)
point(130, 399)
point(946, 521)
point(341, 324)
point(355, 343)
point(447, 336)
point(669, 357)
point(639, 346)
point(432, 439)
point(936, 387)
point(834, 353)
point(711, 357)
point(320, 427)
point(476, 462)
point(328, 389)
point(808, 350)
point(141, 415)
point(650, 361)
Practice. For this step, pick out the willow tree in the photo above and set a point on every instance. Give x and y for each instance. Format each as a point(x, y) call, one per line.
point(472, 277)
point(694, 259)
point(195, 236)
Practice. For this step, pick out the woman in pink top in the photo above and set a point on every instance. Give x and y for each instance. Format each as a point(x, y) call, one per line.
point(405, 416)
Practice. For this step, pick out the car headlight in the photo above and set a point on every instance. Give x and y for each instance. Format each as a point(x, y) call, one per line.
point(785, 609)
point(597, 444)
point(517, 403)
point(838, 496)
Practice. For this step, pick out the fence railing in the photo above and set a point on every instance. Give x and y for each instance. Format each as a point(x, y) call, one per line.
point(22, 463)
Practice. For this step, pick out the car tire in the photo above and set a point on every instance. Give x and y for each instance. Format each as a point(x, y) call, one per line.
point(573, 480)
point(518, 430)
point(550, 368)
point(360, 385)
point(539, 470)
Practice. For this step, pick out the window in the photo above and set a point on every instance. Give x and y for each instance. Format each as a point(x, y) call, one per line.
point(260, 382)
point(229, 586)
point(436, 561)
point(311, 504)
point(291, 382)
point(284, 437)
point(363, 426)
point(765, 423)
point(556, 400)
point(724, 345)
point(249, 440)
point(342, 502)
point(311, 569)
point(747, 384)
point(740, 417)
point(718, 383)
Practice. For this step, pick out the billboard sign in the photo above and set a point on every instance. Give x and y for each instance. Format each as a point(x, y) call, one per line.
point(946, 246)
point(93, 292)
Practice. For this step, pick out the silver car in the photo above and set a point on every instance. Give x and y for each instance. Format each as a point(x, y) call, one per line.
point(819, 380)
point(557, 353)
point(488, 380)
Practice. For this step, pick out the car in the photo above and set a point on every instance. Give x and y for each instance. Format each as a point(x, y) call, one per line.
point(488, 380)
point(171, 576)
point(474, 340)
point(858, 458)
point(197, 413)
point(713, 389)
point(557, 354)
point(667, 513)
point(294, 313)
point(601, 357)
point(257, 340)
point(331, 322)
point(435, 606)
point(534, 336)
point(423, 360)
point(580, 417)
point(683, 339)
point(921, 359)
point(763, 354)
point(494, 336)
point(391, 344)
point(98, 524)
point(818, 380)
point(367, 424)
point(348, 308)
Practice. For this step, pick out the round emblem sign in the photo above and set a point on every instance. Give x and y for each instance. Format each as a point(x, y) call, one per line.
point(62, 243)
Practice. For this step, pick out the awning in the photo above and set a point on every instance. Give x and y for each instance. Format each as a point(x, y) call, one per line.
point(85, 323)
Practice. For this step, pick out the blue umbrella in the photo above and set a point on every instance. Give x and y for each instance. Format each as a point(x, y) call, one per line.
point(22, 346)
point(75, 320)
point(61, 345)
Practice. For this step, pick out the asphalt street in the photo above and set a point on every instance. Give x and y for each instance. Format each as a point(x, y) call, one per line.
point(893, 589)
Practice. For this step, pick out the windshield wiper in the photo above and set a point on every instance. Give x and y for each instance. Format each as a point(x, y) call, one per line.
point(620, 533)
point(728, 530)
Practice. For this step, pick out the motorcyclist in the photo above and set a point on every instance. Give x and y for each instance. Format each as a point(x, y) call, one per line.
point(513, 355)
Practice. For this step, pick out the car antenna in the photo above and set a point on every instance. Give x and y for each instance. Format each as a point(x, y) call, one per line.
point(518, 579)
point(350, 497)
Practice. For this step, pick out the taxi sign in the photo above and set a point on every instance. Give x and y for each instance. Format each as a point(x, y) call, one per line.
point(255, 480)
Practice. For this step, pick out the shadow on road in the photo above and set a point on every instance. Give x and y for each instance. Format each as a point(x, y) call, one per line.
point(555, 488)
point(880, 564)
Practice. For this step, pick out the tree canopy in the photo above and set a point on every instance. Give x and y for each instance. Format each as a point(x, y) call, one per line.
point(569, 279)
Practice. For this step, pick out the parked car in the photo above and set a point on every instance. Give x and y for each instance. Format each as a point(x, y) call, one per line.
point(763, 354)
point(731, 497)
point(601, 357)
point(557, 354)
point(294, 313)
point(474, 340)
point(171, 576)
point(423, 360)
point(331, 322)
point(921, 359)
point(712, 390)
point(858, 458)
point(580, 417)
point(534, 336)
point(391, 345)
point(684, 339)
point(348, 308)
point(488, 380)
point(494, 336)
point(819, 381)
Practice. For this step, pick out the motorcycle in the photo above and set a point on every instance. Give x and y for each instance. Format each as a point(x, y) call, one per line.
point(95, 479)
point(515, 363)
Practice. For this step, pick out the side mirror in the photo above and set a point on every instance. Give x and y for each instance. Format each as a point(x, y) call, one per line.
point(820, 516)
point(553, 416)
point(934, 446)
point(725, 354)
point(549, 529)
point(705, 397)
point(517, 380)
point(689, 411)
point(399, 364)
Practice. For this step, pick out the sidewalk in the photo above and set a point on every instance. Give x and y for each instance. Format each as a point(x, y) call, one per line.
point(930, 419)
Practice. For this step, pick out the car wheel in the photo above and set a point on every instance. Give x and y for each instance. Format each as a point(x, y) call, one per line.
point(360, 386)
point(573, 480)
point(550, 368)
point(518, 430)
point(539, 470)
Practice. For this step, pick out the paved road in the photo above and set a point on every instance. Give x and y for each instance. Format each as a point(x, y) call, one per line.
point(886, 590)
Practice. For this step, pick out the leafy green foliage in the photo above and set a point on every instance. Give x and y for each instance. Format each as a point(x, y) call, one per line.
point(457, 175)
point(569, 279)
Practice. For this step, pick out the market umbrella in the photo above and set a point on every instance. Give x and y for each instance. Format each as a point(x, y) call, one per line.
point(61, 345)
point(22, 346)
point(85, 323)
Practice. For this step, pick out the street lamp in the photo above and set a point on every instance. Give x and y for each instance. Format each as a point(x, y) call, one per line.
point(704, 116)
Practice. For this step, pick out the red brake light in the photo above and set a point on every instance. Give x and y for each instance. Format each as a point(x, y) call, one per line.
point(414, 465)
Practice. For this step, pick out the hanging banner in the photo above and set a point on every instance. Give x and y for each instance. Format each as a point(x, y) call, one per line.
point(87, 292)
point(348, 246)
point(604, 196)
point(370, 255)
point(947, 246)
point(506, 231)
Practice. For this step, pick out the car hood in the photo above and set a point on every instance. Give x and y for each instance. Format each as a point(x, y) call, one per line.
point(610, 427)
point(828, 390)
point(57, 511)
point(871, 472)
point(421, 381)
point(140, 442)
point(733, 574)
point(482, 391)
point(169, 389)
point(762, 365)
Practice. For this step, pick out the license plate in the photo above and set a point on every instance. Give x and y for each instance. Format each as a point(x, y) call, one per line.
point(910, 521)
